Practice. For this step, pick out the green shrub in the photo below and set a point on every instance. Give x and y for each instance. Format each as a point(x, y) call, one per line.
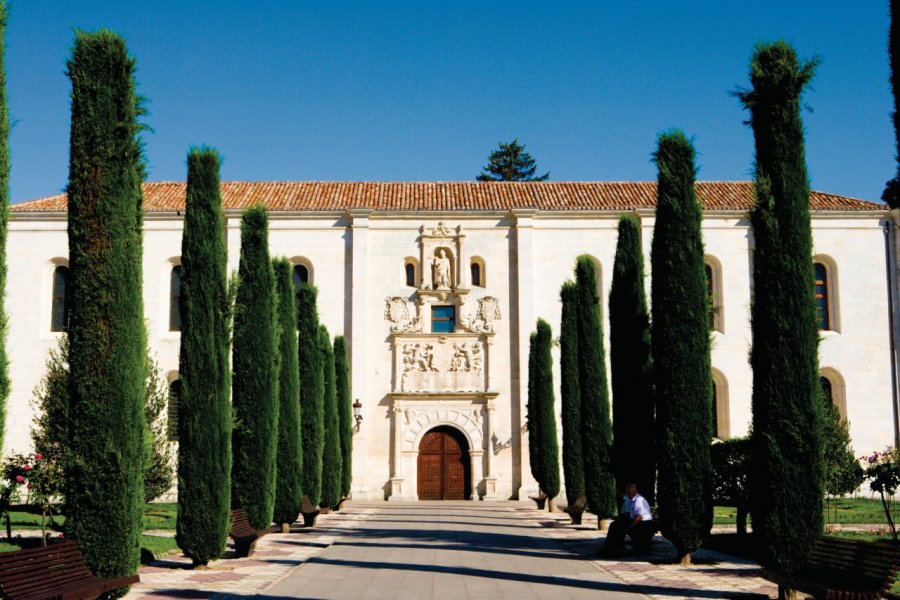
point(107, 340)
point(289, 461)
point(255, 362)
point(204, 409)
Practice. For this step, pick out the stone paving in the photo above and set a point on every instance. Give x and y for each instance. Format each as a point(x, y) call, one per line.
point(449, 550)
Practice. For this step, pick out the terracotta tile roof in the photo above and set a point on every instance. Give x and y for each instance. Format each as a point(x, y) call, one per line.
point(452, 196)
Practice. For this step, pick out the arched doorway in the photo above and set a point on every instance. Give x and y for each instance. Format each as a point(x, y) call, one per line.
point(444, 468)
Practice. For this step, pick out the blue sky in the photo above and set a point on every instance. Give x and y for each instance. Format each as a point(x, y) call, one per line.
point(424, 91)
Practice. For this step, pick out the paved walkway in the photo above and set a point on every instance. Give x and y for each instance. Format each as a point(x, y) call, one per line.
point(448, 550)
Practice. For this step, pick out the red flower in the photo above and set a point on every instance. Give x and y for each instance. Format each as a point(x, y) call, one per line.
point(19, 478)
point(38, 456)
point(29, 486)
point(26, 468)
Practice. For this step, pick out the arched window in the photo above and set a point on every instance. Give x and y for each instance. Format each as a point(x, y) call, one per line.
point(834, 389)
point(410, 274)
point(720, 413)
point(301, 275)
point(823, 311)
point(61, 305)
point(478, 274)
point(713, 270)
point(172, 413)
point(175, 299)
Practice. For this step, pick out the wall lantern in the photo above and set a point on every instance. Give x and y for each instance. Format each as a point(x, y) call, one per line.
point(357, 413)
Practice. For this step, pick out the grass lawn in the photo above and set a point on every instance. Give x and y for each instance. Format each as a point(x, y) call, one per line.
point(152, 546)
point(156, 516)
point(840, 511)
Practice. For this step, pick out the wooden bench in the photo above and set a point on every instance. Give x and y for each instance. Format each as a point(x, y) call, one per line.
point(577, 509)
point(243, 534)
point(309, 512)
point(54, 572)
point(845, 569)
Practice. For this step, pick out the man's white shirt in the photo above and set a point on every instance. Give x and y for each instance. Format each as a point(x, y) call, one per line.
point(639, 506)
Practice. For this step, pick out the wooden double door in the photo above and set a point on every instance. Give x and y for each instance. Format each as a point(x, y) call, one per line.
point(444, 466)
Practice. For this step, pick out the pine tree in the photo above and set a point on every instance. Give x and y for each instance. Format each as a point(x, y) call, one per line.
point(680, 345)
point(345, 412)
point(596, 429)
point(289, 461)
point(630, 365)
point(542, 439)
point(511, 163)
point(570, 392)
point(312, 394)
point(255, 362)
point(332, 473)
point(891, 193)
point(204, 410)
point(787, 428)
point(107, 340)
point(4, 219)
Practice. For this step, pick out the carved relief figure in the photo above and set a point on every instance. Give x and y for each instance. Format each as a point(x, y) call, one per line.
point(396, 310)
point(464, 357)
point(440, 269)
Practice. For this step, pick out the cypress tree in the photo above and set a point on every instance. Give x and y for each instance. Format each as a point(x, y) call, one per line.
point(204, 409)
point(573, 464)
point(255, 362)
point(4, 219)
point(680, 345)
point(345, 412)
point(332, 473)
point(630, 365)
point(891, 193)
point(107, 340)
point(289, 460)
point(312, 393)
point(787, 472)
point(542, 440)
point(596, 429)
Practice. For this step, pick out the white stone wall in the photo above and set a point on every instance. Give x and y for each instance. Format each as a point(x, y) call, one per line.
point(357, 260)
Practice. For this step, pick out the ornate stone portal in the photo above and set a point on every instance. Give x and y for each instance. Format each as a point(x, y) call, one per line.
point(441, 378)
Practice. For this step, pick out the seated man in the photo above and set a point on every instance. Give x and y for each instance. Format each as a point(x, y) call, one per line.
point(635, 520)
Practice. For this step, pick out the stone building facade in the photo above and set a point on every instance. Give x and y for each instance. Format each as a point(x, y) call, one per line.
point(437, 287)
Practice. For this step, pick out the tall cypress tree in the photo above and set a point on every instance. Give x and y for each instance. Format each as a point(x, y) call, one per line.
point(331, 451)
point(204, 409)
point(542, 440)
point(596, 429)
point(289, 460)
point(630, 364)
point(255, 361)
point(787, 444)
point(107, 340)
point(312, 393)
point(570, 391)
point(345, 412)
point(4, 219)
point(891, 193)
point(680, 344)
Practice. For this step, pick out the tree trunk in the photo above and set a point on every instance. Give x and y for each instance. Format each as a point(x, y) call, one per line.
point(601, 526)
point(684, 560)
point(550, 506)
point(741, 520)
point(285, 528)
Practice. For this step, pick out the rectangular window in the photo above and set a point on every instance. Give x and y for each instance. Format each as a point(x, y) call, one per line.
point(443, 319)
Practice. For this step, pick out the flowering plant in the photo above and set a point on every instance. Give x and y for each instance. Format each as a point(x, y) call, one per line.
point(883, 471)
point(42, 478)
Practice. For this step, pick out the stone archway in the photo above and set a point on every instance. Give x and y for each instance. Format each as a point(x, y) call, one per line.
point(444, 465)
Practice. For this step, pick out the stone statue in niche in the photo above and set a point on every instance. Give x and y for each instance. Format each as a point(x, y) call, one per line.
point(440, 270)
